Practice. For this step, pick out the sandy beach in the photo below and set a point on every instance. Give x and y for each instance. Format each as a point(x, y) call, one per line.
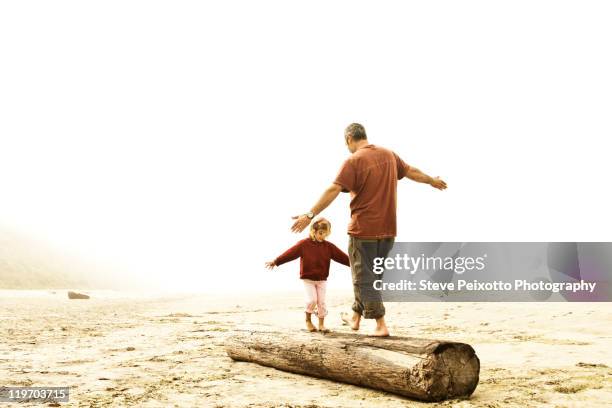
point(150, 350)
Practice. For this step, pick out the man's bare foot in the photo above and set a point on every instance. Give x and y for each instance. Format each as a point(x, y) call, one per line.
point(381, 328)
point(352, 321)
point(381, 332)
point(310, 327)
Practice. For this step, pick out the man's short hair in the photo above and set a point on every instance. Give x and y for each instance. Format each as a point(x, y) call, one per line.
point(356, 131)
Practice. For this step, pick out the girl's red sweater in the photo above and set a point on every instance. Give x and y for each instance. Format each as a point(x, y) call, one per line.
point(315, 258)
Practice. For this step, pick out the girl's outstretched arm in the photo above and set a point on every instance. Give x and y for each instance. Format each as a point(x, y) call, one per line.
point(289, 255)
point(339, 255)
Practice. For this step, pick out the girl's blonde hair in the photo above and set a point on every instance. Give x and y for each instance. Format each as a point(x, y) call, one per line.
point(319, 224)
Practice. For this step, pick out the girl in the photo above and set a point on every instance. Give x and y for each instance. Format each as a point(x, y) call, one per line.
point(315, 254)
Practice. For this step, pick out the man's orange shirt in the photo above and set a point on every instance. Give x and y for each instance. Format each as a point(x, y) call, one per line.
point(371, 175)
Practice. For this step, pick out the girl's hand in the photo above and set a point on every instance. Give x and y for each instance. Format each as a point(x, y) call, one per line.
point(270, 265)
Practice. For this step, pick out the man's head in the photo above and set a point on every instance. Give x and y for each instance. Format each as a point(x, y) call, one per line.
point(354, 135)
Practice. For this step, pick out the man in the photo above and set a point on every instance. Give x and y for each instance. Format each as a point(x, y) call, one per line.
point(370, 175)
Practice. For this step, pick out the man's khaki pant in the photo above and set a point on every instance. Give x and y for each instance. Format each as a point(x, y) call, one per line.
point(368, 301)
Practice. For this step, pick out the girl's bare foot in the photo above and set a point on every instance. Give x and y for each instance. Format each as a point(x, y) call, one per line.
point(352, 321)
point(309, 324)
point(322, 327)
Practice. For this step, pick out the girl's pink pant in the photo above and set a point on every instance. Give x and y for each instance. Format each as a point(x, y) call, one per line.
point(315, 296)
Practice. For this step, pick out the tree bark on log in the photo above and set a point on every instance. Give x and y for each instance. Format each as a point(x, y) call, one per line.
point(427, 370)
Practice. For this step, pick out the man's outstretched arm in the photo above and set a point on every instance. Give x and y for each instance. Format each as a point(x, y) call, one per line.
point(417, 175)
point(328, 196)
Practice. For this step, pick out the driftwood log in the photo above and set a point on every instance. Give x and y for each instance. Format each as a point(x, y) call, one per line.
point(428, 370)
point(76, 295)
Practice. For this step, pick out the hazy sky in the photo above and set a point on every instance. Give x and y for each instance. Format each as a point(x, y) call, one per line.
point(176, 139)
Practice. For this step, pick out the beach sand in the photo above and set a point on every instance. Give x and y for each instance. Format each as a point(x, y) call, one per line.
point(149, 350)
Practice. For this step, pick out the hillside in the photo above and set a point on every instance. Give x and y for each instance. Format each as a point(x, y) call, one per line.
point(27, 263)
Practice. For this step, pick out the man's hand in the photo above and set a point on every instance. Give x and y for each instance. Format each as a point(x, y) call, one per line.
point(417, 175)
point(302, 221)
point(329, 195)
point(437, 183)
point(270, 265)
